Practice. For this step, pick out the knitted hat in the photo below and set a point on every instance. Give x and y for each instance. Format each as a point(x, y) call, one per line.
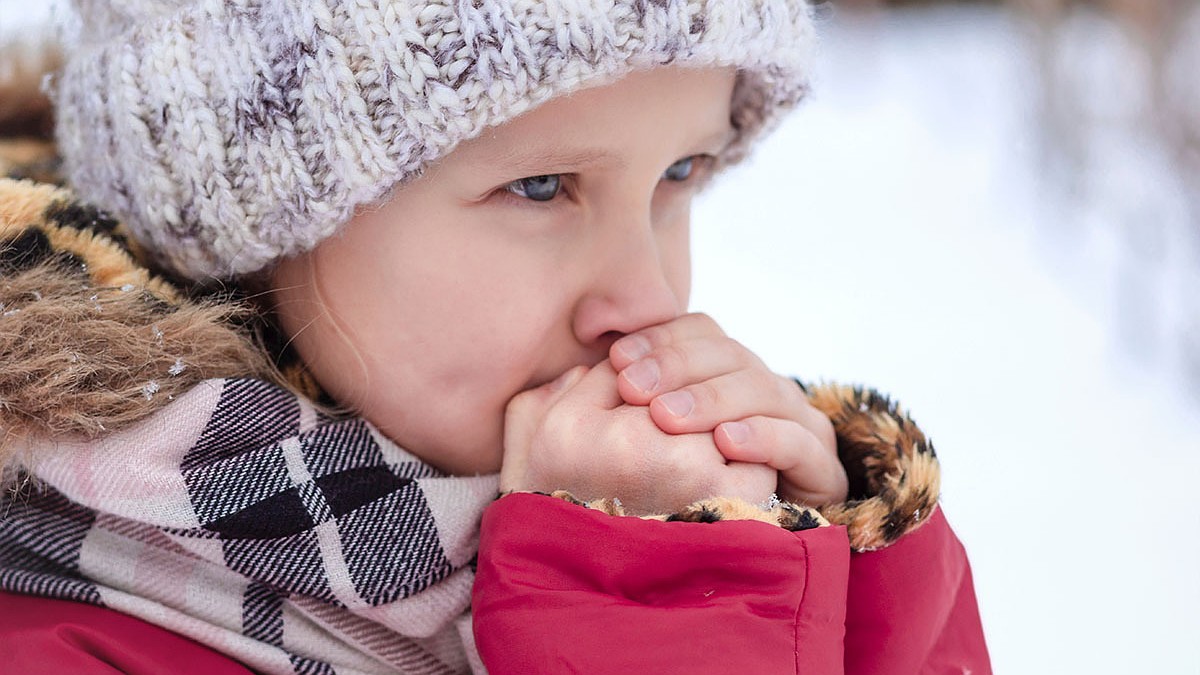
point(228, 134)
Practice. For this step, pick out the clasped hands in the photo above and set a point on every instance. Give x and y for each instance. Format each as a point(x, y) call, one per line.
point(678, 412)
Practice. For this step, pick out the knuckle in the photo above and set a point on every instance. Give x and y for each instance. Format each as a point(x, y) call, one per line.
point(762, 433)
point(815, 446)
point(657, 334)
point(707, 395)
point(821, 426)
point(806, 439)
point(765, 381)
point(823, 421)
point(828, 437)
point(734, 352)
point(735, 349)
point(703, 320)
point(788, 390)
point(654, 336)
point(520, 406)
point(673, 359)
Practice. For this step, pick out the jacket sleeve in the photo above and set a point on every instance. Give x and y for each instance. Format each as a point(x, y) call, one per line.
point(42, 636)
point(911, 608)
point(911, 603)
point(566, 589)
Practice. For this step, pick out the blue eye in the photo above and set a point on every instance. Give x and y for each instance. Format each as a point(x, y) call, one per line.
point(681, 170)
point(536, 188)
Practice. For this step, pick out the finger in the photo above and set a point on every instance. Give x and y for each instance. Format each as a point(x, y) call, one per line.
point(534, 402)
point(597, 388)
point(809, 469)
point(525, 411)
point(704, 405)
point(702, 476)
point(636, 345)
point(677, 364)
point(748, 481)
point(528, 408)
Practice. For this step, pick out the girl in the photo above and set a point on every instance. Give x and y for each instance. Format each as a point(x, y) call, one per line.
point(458, 239)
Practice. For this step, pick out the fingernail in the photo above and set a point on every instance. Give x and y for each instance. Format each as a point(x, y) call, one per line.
point(643, 375)
point(678, 403)
point(633, 347)
point(738, 432)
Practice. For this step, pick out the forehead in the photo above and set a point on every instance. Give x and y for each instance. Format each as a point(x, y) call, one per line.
point(608, 124)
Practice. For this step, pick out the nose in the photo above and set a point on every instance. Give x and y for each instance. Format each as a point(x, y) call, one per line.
point(640, 276)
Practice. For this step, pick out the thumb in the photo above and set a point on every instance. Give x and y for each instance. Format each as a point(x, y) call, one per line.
point(522, 417)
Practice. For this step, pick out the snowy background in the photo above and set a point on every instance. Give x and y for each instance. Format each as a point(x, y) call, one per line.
point(1023, 275)
point(904, 230)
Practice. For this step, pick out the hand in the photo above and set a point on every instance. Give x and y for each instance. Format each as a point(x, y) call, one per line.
point(577, 434)
point(695, 379)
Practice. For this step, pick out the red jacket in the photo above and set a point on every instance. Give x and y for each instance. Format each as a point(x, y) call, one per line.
point(565, 589)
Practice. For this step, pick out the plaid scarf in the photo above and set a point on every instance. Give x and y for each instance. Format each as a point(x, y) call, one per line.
point(241, 517)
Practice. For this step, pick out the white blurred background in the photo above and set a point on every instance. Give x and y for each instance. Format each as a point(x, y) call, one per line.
point(998, 221)
point(992, 211)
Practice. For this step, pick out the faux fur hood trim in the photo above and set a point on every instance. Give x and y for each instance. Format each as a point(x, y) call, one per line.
point(30, 159)
point(895, 478)
point(91, 341)
point(791, 517)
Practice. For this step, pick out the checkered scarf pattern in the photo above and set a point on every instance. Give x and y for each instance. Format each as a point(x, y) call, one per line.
point(242, 518)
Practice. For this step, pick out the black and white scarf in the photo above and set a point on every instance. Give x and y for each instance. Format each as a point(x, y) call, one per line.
point(243, 518)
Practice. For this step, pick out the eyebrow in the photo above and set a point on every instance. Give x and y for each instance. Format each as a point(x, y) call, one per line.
point(555, 160)
point(721, 139)
point(564, 160)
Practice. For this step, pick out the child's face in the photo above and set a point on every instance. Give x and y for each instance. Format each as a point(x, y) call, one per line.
point(471, 285)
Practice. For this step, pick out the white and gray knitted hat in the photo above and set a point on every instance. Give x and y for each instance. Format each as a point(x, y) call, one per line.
point(230, 133)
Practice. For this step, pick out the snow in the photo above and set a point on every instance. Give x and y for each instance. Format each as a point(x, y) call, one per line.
point(898, 231)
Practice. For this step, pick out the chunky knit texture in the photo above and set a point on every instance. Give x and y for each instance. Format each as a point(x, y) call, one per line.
point(230, 133)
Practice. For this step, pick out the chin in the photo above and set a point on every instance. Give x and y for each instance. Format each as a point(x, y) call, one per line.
point(470, 457)
point(471, 467)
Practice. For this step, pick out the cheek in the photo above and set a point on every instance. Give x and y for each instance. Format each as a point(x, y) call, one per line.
point(674, 241)
point(440, 376)
point(429, 328)
point(446, 342)
point(458, 336)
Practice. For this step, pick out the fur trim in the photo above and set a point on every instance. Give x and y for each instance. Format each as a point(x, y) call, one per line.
point(790, 517)
point(894, 474)
point(90, 340)
point(30, 159)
